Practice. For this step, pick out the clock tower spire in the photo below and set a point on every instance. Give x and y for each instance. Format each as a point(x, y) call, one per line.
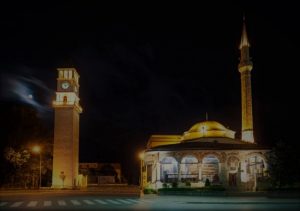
point(66, 129)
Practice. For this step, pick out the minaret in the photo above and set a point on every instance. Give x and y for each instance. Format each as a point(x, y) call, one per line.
point(245, 67)
point(66, 130)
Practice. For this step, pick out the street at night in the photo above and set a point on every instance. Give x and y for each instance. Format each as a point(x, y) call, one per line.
point(149, 107)
point(92, 201)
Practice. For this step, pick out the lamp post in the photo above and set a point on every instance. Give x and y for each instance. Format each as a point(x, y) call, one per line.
point(141, 155)
point(37, 149)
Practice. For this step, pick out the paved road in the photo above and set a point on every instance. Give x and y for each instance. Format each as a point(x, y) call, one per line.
point(73, 203)
point(93, 201)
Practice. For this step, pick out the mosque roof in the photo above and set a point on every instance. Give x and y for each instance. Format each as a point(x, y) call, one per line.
point(204, 135)
point(209, 143)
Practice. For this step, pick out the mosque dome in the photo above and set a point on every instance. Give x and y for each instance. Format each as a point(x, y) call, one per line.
point(208, 129)
point(208, 126)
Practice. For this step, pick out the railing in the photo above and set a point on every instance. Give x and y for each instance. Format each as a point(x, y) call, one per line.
point(169, 178)
point(189, 177)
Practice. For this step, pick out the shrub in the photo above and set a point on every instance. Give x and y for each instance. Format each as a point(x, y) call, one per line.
point(188, 184)
point(149, 191)
point(165, 185)
point(264, 183)
point(174, 184)
point(214, 188)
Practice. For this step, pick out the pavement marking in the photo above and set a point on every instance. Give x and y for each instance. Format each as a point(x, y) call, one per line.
point(100, 201)
point(75, 202)
point(3, 203)
point(61, 203)
point(32, 204)
point(124, 201)
point(17, 204)
point(88, 202)
point(133, 200)
point(47, 203)
point(112, 201)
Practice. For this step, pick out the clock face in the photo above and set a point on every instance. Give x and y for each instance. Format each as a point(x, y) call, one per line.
point(65, 85)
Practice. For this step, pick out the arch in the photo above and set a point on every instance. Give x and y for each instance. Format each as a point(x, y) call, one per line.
point(210, 168)
point(259, 154)
point(219, 156)
point(233, 167)
point(255, 164)
point(189, 168)
point(189, 159)
point(233, 164)
point(168, 169)
point(168, 160)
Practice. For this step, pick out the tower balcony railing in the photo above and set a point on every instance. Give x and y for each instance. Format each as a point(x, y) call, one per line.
point(67, 104)
point(58, 103)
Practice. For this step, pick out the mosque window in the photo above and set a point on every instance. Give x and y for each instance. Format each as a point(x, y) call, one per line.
point(169, 170)
point(255, 165)
point(210, 168)
point(189, 169)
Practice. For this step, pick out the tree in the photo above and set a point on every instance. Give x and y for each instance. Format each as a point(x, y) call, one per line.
point(16, 158)
point(21, 129)
point(283, 163)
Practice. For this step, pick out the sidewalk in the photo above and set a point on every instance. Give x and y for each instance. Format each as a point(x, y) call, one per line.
point(223, 200)
point(129, 190)
point(275, 194)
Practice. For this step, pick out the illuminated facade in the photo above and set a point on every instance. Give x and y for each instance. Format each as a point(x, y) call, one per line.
point(66, 130)
point(210, 151)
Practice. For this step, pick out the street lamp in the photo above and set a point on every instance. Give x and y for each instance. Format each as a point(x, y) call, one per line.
point(37, 149)
point(141, 156)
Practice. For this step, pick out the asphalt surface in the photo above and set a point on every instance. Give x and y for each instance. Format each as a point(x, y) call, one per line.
point(91, 200)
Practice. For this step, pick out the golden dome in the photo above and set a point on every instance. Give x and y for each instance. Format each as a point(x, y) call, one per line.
point(208, 126)
point(208, 129)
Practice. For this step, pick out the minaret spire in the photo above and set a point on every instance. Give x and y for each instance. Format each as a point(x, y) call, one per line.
point(245, 66)
point(244, 39)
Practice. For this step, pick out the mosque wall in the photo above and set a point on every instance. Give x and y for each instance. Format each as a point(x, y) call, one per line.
point(233, 169)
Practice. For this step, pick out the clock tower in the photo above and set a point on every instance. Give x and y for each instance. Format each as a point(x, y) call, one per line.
point(66, 130)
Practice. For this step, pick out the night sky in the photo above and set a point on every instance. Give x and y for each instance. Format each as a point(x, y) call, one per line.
point(152, 69)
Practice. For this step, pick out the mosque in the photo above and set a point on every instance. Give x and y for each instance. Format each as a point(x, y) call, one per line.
point(208, 150)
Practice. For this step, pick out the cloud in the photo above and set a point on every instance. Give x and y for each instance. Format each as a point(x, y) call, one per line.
point(17, 87)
